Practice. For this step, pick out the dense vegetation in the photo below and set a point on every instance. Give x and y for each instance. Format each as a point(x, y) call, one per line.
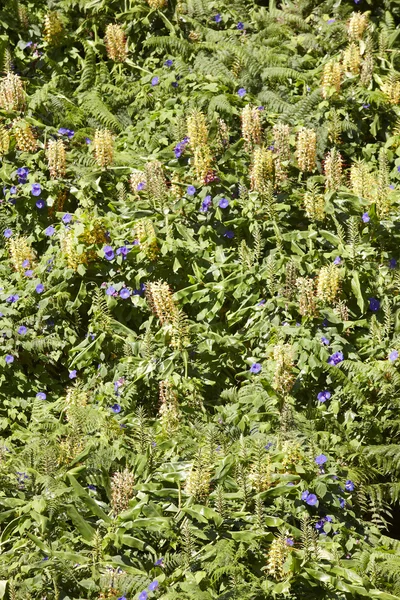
point(199, 299)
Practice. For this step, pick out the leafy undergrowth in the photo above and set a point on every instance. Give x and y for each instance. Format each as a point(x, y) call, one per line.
point(199, 313)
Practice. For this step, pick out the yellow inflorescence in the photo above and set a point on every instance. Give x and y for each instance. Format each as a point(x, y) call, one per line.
point(363, 183)
point(283, 376)
point(169, 409)
point(53, 28)
point(26, 141)
point(103, 144)
point(307, 304)
point(251, 126)
point(157, 4)
point(314, 204)
point(357, 25)
point(198, 140)
point(333, 170)
point(277, 555)
point(146, 235)
point(262, 170)
point(115, 42)
point(331, 78)
point(159, 297)
point(391, 89)
point(122, 489)
point(56, 158)
point(69, 251)
point(155, 183)
point(4, 141)
point(12, 95)
point(328, 284)
point(352, 59)
point(20, 250)
point(306, 150)
point(198, 482)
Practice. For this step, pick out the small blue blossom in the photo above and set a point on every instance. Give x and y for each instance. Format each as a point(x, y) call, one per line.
point(67, 218)
point(191, 190)
point(392, 263)
point(349, 487)
point(335, 358)
point(323, 396)
point(374, 304)
point(13, 190)
point(72, 374)
point(310, 499)
point(39, 288)
point(22, 330)
point(143, 595)
point(125, 293)
point(218, 18)
point(108, 252)
point(229, 234)
point(155, 81)
point(153, 586)
point(241, 92)
point(337, 260)
point(321, 459)
point(28, 273)
point(205, 205)
point(49, 231)
point(330, 21)
point(174, 84)
point(36, 189)
point(394, 355)
point(8, 233)
point(41, 396)
point(88, 141)
point(94, 489)
point(168, 63)
point(140, 186)
point(223, 203)
point(366, 218)
point(342, 502)
point(40, 204)
point(110, 291)
point(255, 368)
point(240, 26)
point(289, 542)
point(325, 341)
point(116, 408)
point(9, 359)
point(13, 298)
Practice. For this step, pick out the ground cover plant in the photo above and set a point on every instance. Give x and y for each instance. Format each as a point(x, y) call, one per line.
point(199, 299)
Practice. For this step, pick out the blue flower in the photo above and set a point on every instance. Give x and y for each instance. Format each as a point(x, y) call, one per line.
point(366, 217)
point(205, 205)
point(310, 499)
point(94, 489)
point(325, 341)
point(337, 260)
point(9, 359)
point(394, 355)
point(191, 190)
point(289, 542)
point(143, 595)
point(22, 330)
point(349, 487)
point(123, 250)
point(335, 358)
point(13, 298)
point(153, 585)
point(159, 561)
point(22, 174)
point(392, 263)
point(323, 396)
point(218, 18)
point(41, 396)
point(72, 374)
point(125, 293)
point(168, 63)
point(342, 502)
point(67, 132)
point(241, 92)
point(255, 368)
point(36, 189)
point(229, 234)
point(321, 459)
point(155, 81)
point(108, 252)
point(174, 84)
point(140, 186)
point(116, 408)
point(88, 140)
point(110, 291)
point(39, 288)
point(223, 203)
point(330, 21)
point(13, 190)
point(67, 218)
point(49, 231)
point(8, 233)
point(240, 26)
point(40, 203)
point(374, 304)
point(28, 273)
